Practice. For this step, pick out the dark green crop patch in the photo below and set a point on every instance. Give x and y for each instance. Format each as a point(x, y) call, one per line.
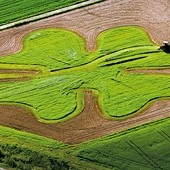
point(146, 148)
point(28, 8)
point(16, 157)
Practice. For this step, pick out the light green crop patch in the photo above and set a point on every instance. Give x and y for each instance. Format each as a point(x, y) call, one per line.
point(68, 69)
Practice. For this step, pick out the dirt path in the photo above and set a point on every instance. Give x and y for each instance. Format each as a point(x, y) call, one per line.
point(14, 79)
point(48, 14)
point(153, 15)
point(21, 74)
point(150, 71)
point(88, 125)
point(18, 71)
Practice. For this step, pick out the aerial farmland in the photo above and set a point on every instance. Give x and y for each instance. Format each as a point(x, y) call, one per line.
point(85, 85)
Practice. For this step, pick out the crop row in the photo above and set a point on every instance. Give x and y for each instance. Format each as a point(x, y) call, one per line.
point(28, 8)
point(142, 148)
point(67, 69)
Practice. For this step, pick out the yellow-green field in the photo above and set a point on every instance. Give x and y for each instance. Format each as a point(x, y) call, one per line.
point(67, 69)
point(55, 94)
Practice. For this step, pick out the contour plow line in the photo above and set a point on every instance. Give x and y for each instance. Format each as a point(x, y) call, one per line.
point(55, 94)
point(89, 124)
point(48, 14)
point(11, 72)
point(92, 20)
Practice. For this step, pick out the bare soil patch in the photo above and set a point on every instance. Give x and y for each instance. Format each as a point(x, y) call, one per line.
point(150, 71)
point(153, 15)
point(23, 74)
point(87, 125)
point(14, 79)
point(18, 71)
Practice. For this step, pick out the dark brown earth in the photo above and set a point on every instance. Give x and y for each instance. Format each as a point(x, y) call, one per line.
point(18, 71)
point(14, 79)
point(22, 74)
point(152, 15)
point(87, 125)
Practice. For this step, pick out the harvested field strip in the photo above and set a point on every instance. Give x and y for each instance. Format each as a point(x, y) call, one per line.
point(92, 20)
point(17, 74)
point(150, 71)
point(13, 79)
point(87, 125)
point(12, 71)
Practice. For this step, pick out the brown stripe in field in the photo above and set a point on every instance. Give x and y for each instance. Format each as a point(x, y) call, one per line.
point(89, 21)
point(150, 71)
point(14, 79)
point(87, 125)
point(22, 73)
point(18, 71)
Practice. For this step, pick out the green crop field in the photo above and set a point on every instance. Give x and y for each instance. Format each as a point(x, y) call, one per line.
point(67, 70)
point(27, 8)
point(144, 148)
point(55, 94)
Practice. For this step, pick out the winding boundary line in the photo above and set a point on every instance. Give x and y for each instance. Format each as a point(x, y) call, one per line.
point(91, 20)
point(48, 14)
point(88, 125)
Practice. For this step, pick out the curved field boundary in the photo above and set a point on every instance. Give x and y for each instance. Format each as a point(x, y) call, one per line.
point(48, 14)
point(88, 125)
point(107, 63)
point(89, 21)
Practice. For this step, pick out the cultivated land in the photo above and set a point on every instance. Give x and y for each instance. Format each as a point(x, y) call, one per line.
point(88, 125)
point(28, 8)
point(123, 82)
point(68, 68)
point(131, 150)
point(152, 15)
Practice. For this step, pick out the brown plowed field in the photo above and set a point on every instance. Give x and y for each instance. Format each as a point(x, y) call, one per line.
point(153, 15)
point(87, 125)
